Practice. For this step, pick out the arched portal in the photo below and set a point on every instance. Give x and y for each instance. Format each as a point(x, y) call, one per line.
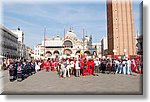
point(94, 53)
point(78, 52)
point(67, 52)
point(56, 52)
point(87, 52)
point(68, 44)
point(48, 53)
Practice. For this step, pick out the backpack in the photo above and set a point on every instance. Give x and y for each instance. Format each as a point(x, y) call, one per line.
point(84, 66)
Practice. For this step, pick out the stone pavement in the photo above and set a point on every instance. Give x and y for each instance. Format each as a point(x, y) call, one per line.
point(49, 83)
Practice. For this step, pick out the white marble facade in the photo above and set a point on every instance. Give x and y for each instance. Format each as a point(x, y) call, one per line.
point(67, 45)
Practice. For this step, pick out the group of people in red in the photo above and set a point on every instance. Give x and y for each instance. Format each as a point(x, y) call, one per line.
point(84, 66)
point(70, 66)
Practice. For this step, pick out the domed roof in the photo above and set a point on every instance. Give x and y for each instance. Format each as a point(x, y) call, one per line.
point(71, 34)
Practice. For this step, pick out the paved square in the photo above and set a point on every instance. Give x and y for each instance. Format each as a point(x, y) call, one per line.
point(49, 83)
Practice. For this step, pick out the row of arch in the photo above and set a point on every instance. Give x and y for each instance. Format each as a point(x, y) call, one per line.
point(68, 52)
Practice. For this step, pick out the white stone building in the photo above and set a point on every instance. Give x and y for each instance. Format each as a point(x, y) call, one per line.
point(67, 45)
point(21, 45)
point(8, 43)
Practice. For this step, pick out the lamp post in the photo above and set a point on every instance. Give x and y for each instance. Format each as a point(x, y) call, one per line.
point(114, 51)
point(124, 53)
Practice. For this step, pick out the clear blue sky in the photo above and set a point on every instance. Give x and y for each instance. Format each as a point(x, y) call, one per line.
point(33, 17)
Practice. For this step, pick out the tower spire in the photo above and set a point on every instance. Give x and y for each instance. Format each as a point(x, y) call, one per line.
point(86, 34)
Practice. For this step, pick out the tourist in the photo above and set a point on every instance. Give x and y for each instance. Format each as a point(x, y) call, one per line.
point(62, 72)
point(129, 72)
point(47, 65)
point(77, 68)
point(90, 67)
point(84, 67)
point(37, 65)
point(97, 63)
point(72, 64)
point(68, 67)
point(124, 65)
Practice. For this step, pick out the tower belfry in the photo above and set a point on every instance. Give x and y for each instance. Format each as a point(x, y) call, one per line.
point(120, 27)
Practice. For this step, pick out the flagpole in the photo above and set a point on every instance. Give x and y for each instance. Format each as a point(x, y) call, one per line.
point(64, 38)
point(83, 41)
point(44, 40)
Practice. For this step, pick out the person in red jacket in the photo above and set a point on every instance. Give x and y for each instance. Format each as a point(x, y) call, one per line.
point(84, 67)
point(92, 63)
point(90, 67)
point(52, 65)
point(47, 65)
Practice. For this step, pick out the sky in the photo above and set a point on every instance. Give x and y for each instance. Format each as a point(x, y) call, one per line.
point(33, 17)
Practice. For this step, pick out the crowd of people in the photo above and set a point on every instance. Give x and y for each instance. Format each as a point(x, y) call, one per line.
point(81, 66)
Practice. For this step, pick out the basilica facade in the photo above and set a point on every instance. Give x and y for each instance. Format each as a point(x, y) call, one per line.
point(68, 45)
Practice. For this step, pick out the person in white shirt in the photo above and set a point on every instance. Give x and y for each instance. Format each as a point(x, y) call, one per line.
point(97, 64)
point(72, 64)
point(129, 72)
point(77, 67)
point(124, 66)
point(37, 66)
point(62, 70)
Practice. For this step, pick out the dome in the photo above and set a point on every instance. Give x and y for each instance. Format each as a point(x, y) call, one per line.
point(71, 35)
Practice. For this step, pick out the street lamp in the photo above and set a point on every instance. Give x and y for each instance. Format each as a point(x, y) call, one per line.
point(124, 50)
point(124, 53)
point(114, 51)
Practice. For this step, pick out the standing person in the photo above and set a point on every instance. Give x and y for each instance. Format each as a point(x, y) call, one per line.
point(68, 67)
point(113, 66)
point(84, 65)
point(42, 65)
point(47, 65)
point(90, 68)
point(37, 65)
point(117, 67)
point(77, 67)
point(92, 62)
point(52, 65)
point(97, 63)
point(124, 66)
point(72, 63)
point(103, 65)
point(133, 65)
point(62, 72)
point(138, 67)
point(129, 72)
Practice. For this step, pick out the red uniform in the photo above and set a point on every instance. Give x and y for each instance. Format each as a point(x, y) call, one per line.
point(52, 66)
point(42, 65)
point(133, 67)
point(90, 67)
point(138, 65)
point(84, 67)
point(47, 65)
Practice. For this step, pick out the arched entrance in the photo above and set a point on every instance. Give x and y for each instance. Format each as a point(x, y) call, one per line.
point(68, 44)
point(78, 52)
point(67, 52)
point(56, 52)
point(94, 53)
point(87, 52)
point(48, 53)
